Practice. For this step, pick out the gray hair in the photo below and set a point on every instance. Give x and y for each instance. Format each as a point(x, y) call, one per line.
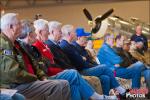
point(54, 25)
point(66, 29)
point(27, 28)
point(7, 20)
point(40, 24)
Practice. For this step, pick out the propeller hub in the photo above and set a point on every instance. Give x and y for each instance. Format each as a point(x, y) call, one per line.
point(90, 23)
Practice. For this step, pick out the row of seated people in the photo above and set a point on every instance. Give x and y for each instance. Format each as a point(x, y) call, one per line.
point(131, 52)
point(45, 60)
point(128, 51)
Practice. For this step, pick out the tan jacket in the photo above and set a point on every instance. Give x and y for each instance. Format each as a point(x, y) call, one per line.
point(143, 58)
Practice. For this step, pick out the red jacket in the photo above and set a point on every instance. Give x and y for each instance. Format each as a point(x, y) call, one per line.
point(46, 52)
point(26, 60)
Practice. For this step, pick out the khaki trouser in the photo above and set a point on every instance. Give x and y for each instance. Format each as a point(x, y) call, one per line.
point(46, 90)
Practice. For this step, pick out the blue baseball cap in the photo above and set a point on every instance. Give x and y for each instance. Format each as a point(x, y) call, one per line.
point(80, 32)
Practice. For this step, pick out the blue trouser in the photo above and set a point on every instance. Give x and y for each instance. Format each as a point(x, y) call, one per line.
point(16, 96)
point(132, 72)
point(106, 76)
point(80, 89)
point(144, 71)
point(5, 97)
point(146, 74)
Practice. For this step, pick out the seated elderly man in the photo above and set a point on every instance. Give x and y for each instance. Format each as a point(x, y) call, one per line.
point(107, 55)
point(102, 72)
point(14, 71)
point(80, 89)
point(122, 48)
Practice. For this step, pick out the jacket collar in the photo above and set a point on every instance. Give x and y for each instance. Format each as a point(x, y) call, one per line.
point(6, 38)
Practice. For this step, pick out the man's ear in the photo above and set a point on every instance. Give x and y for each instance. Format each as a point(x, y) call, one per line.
point(29, 34)
point(12, 28)
point(49, 33)
point(40, 32)
point(69, 33)
point(52, 32)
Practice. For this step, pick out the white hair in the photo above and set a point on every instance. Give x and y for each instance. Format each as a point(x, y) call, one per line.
point(8, 19)
point(40, 24)
point(66, 29)
point(54, 25)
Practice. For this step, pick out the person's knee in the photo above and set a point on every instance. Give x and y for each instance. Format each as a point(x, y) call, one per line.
point(59, 83)
point(65, 89)
point(71, 72)
point(104, 67)
point(137, 68)
point(59, 88)
point(72, 76)
point(65, 84)
point(106, 70)
point(18, 96)
point(140, 65)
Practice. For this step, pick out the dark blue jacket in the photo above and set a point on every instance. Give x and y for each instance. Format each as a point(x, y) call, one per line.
point(82, 51)
point(60, 57)
point(73, 55)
